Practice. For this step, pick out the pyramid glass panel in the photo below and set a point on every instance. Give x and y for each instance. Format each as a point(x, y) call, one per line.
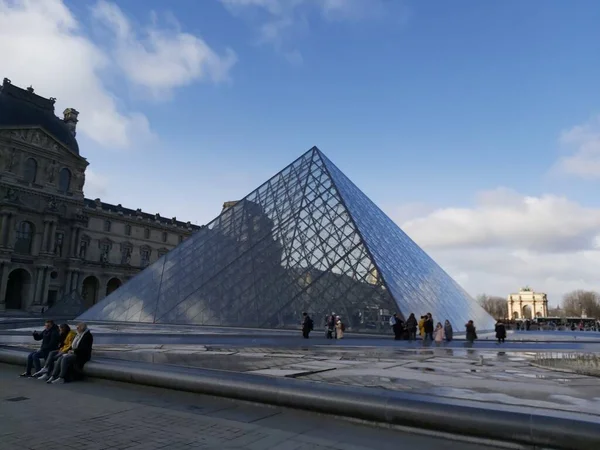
point(416, 282)
point(303, 241)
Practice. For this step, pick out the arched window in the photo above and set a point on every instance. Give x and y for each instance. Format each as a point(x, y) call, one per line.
point(64, 179)
point(107, 225)
point(30, 170)
point(24, 238)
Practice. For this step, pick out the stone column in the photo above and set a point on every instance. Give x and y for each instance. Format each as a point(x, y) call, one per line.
point(4, 270)
point(44, 248)
point(2, 228)
point(73, 242)
point(38, 286)
point(75, 279)
point(75, 231)
point(46, 286)
point(52, 238)
point(533, 314)
point(68, 282)
point(6, 229)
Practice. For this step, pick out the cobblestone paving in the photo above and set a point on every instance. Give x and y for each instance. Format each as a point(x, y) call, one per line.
point(97, 415)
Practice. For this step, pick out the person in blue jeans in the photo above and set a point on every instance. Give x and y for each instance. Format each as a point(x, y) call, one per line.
point(50, 338)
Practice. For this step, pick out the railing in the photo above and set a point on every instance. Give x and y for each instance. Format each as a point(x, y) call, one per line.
point(580, 363)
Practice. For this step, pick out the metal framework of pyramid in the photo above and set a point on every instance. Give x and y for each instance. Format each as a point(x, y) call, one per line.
point(306, 240)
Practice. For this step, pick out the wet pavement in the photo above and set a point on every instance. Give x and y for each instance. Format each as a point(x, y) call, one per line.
point(485, 372)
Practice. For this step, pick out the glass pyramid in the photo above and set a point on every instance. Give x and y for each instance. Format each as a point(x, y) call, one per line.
point(306, 240)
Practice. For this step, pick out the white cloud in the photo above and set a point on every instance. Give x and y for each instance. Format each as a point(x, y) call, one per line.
point(43, 44)
point(584, 143)
point(507, 240)
point(280, 21)
point(161, 59)
point(96, 185)
point(503, 218)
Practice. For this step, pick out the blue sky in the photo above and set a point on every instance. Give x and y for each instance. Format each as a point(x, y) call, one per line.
point(445, 113)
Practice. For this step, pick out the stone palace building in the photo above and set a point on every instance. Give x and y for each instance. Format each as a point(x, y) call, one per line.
point(54, 242)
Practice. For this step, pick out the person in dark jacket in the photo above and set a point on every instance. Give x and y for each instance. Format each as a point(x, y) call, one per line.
point(307, 325)
point(398, 327)
point(72, 363)
point(411, 327)
point(471, 331)
point(500, 332)
point(428, 327)
point(50, 338)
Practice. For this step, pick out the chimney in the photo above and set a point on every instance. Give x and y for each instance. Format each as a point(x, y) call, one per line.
point(71, 120)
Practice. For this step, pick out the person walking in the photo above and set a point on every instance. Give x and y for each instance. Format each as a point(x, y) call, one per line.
point(307, 325)
point(471, 332)
point(500, 332)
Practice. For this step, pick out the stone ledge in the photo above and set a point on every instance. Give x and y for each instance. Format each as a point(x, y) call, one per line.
point(503, 424)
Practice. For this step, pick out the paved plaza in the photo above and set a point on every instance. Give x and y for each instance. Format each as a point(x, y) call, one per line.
point(96, 415)
point(487, 372)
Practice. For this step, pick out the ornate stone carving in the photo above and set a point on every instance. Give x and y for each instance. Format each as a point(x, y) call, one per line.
point(11, 195)
point(51, 172)
point(12, 162)
point(79, 179)
point(52, 204)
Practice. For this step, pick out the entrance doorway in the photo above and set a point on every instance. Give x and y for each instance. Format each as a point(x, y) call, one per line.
point(18, 289)
point(89, 292)
point(527, 313)
point(112, 285)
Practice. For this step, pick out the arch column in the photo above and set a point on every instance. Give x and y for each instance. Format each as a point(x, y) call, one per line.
point(46, 285)
point(68, 281)
point(39, 277)
point(52, 237)
point(44, 248)
point(7, 219)
point(5, 267)
point(75, 231)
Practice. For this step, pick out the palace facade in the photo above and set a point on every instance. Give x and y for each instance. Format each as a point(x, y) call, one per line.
point(54, 242)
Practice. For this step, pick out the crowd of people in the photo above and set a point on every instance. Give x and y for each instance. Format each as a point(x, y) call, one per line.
point(406, 330)
point(63, 350)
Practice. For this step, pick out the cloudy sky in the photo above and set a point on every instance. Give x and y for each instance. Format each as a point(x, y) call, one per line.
point(475, 125)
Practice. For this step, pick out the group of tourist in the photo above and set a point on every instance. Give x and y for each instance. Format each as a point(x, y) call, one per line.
point(425, 328)
point(63, 350)
point(334, 328)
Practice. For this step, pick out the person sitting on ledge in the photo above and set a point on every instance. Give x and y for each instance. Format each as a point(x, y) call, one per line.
point(50, 339)
point(66, 339)
point(70, 365)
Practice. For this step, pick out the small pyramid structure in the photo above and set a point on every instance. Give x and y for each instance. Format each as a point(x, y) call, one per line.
point(306, 240)
point(70, 305)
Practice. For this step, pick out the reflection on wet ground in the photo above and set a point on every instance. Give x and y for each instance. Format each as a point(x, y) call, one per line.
point(486, 371)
